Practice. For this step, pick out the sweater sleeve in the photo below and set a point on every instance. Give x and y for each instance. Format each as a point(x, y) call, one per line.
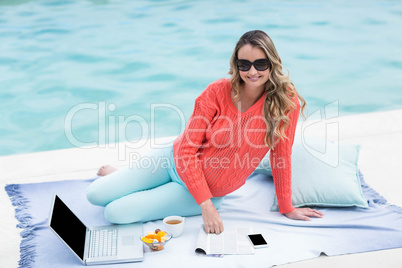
point(281, 163)
point(188, 164)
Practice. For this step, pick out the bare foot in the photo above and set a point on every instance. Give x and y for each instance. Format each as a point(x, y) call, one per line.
point(106, 170)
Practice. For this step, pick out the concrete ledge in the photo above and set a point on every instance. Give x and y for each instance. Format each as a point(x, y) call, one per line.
point(380, 135)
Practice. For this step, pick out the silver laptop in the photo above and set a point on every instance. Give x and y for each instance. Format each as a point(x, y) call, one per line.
point(97, 245)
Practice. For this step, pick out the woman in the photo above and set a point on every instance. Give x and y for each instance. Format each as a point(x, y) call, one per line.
point(234, 124)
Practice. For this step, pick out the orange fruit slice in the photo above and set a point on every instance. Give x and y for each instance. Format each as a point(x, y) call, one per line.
point(147, 240)
point(161, 234)
point(151, 236)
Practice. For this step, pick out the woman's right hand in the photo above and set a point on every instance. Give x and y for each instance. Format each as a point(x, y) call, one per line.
point(212, 220)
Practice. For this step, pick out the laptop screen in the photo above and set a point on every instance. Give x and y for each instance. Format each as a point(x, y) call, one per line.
point(68, 227)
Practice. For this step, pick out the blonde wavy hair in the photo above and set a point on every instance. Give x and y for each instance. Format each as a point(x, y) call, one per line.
point(280, 90)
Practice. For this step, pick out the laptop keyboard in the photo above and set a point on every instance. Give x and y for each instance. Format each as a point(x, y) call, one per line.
point(104, 243)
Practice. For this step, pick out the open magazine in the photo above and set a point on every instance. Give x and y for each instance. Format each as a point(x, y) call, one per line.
point(231, 241)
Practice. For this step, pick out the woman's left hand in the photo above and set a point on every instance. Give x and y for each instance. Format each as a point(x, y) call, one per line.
point(304, 214)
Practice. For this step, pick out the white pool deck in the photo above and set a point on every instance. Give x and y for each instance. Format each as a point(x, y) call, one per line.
point(379, 133)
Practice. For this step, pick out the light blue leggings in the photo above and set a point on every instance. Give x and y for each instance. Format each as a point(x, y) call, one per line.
point(148, 189)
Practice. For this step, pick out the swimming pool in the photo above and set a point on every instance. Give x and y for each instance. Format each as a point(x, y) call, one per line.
point(81, 73)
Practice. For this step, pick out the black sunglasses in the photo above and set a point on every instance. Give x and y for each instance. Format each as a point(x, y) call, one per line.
point(259, 65)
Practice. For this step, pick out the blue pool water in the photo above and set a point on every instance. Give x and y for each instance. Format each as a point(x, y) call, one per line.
point(70, 70)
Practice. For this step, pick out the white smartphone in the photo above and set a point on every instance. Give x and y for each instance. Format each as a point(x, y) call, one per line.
point(257, 240)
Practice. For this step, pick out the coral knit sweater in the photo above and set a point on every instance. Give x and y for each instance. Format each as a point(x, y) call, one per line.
point(220, 147)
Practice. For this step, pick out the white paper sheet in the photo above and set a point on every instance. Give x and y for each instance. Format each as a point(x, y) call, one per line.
point(232, 240)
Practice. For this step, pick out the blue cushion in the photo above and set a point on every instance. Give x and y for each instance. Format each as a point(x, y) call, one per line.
point(324, 179)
